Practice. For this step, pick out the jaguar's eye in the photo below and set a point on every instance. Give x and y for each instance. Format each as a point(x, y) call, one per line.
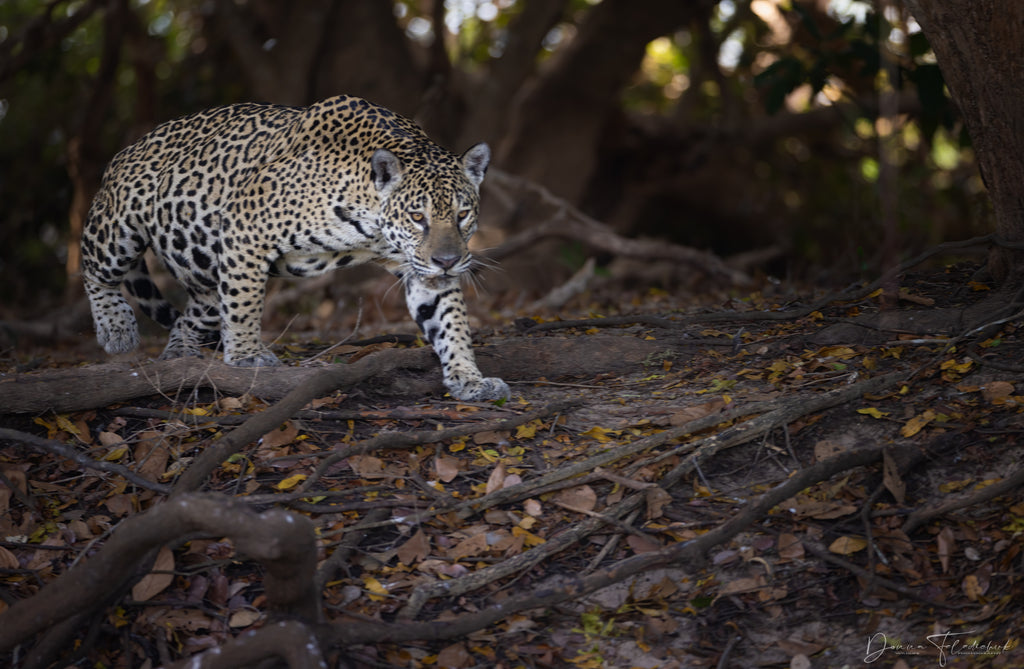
point(417, 217)
point(463, 214)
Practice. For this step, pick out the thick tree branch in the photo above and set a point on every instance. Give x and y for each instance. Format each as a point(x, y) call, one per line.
point(283, 542)
point(569, 222)
point(289, 640)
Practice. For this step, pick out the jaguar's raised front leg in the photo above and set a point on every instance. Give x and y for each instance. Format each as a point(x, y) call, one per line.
point(440, 311)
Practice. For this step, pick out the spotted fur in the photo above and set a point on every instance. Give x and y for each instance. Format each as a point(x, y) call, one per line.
point(230, 196)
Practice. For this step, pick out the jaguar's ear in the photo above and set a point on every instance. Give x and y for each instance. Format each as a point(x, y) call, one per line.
point(385, 171)
point(475, 161)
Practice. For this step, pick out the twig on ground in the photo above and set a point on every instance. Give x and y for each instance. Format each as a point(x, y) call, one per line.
point(1004, 487)
point(63, 450)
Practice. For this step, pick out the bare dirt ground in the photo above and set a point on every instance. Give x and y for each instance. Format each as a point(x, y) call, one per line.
point(773, 478)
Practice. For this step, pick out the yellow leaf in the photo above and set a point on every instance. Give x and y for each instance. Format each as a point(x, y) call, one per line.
point(374, 587)
point(529, 430)
point(848, 545)
point(291, 482)
point(198, 411)
point(876, 293)
point(917, 423)
point(953, 486)
point(600, 434)
point(530, 539)
point(592, 331)
point(41, 421)
point(841, 352)
point(958, 367)
point(116, 454)
point(873, 412)
point(64, 423)
point(977, 286)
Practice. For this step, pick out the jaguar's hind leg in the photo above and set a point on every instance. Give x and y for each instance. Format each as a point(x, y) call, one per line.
point(197, 327)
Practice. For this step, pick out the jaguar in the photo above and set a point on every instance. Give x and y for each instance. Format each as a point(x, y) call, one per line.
point(231, 196)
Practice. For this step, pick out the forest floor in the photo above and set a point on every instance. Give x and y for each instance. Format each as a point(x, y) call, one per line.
point(779, 478)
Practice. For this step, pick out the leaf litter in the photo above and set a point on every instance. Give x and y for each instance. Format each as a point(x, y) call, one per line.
point(838, 547)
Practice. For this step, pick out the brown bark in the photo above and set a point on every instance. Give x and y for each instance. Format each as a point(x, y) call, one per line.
point(386, 372)
point(981, 54)
point(282, 541)
point(85, 156)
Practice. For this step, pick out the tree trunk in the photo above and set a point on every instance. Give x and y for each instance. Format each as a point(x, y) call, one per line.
point(85, 159)
point(980, 50)
point(554, 133)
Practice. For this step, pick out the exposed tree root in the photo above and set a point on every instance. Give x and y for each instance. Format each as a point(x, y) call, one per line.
point(388, 372)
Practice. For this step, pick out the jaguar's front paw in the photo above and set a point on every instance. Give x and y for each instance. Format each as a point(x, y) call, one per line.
point(480, 389)
point(263, 358)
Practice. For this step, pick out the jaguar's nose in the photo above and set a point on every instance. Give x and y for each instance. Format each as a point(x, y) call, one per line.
point(445, 262)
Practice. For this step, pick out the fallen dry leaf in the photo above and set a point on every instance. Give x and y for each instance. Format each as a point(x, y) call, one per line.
point(496, 481)
point(657, 499)
point(281, 436)
point(471, 547)
point(642, 544)
point(945, 545)
point(454, 656)
point(741, 585)
point(917, 423)
point(151, 453)
point(367, 466)
point(580, 498)
point(154, 583)
point(891, 478)
point(697, 412)
point(996, 392)
point(846, 545)
point(415, 549)
point(243, 618)
point(790, 547)
point(447, 467)
point(7, 559)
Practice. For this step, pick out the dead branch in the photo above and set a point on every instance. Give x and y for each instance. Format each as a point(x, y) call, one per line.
point(922, 516)
point(282, 541)
point(517, 359)
point(289, 640)
point(822, 553)
point(65, 451)
point(571, 223)
point(101, 385)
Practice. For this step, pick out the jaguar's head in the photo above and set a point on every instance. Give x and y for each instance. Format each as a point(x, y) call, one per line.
point(429, 208)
